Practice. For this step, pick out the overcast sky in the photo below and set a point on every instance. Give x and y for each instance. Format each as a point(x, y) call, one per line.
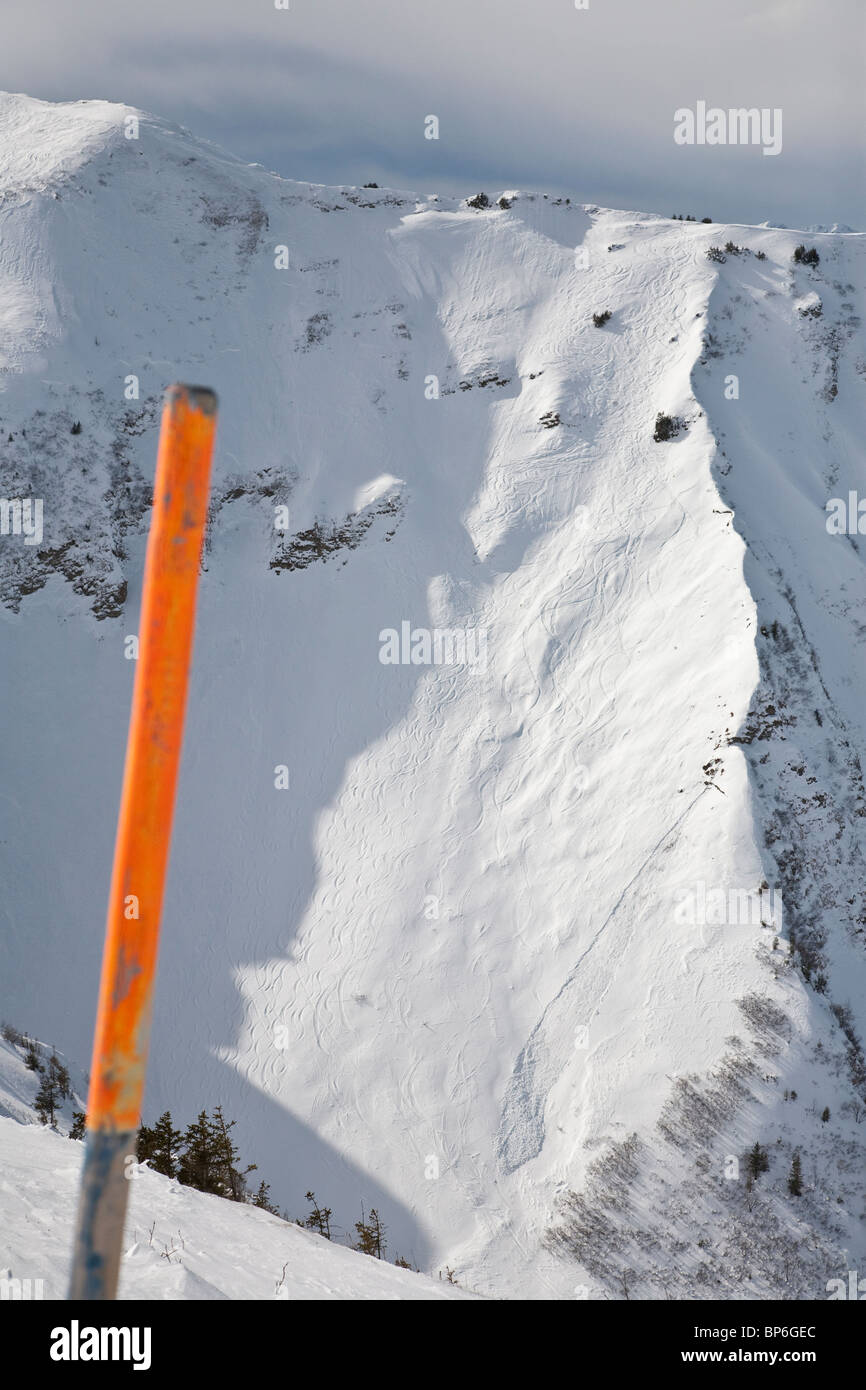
point(529, 93)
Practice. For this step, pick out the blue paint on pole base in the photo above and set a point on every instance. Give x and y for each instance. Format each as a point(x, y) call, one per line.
point(101, 1215)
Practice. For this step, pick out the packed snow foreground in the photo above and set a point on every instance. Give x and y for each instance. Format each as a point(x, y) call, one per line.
point(517, 879)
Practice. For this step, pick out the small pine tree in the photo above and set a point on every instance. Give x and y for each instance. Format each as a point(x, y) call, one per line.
point(319, 1218)
point(49, 1096)
point(31, 1057)
point(371, 1235)
point(45, 1103)
point(262, 1199)
point(825, 1114)
point(166, 1146)
point(61, 1076)
point(160, 1146)
point(795, 1177)
point(231, 1178)
point(54, 1088)
point(757, 1162)
point(197, 1167)
point(79, 1125)
point(144, 1144)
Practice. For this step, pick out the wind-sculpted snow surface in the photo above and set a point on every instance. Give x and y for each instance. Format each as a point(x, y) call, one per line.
point(436, 930)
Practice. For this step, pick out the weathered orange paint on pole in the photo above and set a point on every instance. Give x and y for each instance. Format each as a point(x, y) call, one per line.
point(120, 1049)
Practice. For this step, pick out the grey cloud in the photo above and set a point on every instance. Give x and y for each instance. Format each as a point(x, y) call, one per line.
point(536, 94)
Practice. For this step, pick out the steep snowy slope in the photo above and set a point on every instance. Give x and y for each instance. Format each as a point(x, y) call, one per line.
point(467, 948)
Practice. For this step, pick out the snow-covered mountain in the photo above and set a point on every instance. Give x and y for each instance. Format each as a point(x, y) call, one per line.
point(528, 949)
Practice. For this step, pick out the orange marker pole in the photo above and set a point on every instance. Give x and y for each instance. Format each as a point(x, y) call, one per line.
point(120, 1047)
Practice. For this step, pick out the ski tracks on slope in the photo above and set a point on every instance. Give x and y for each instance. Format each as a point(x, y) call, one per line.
point(521, 1131)
point(549, 1046)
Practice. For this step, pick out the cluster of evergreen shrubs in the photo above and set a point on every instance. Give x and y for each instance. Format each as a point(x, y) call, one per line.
point(678, 217)
point(54, 1083)
point(801, 255)
point(481, 201)
point(667, 427)
point(371, 1233)
point(715, 253)
point(203, 1156)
